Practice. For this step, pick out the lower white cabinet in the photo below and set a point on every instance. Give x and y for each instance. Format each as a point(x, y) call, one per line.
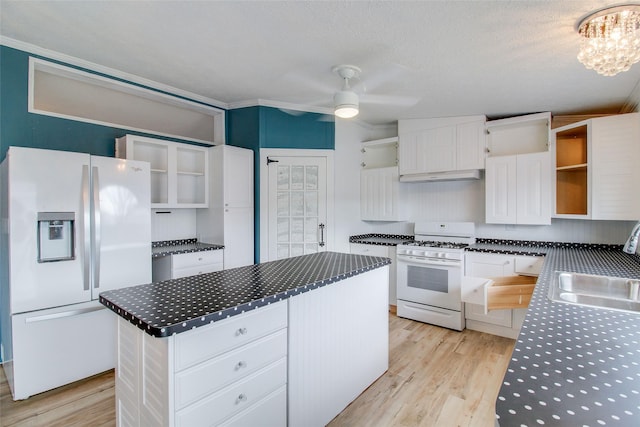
point(298, 362)
point(479, 294)
point(187, 264)
point(383, 251)
point(338, 346)
point(230, 372)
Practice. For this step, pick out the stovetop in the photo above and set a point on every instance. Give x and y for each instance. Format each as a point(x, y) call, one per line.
point(434, 244)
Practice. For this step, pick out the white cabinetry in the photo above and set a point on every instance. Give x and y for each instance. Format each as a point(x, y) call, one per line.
point(229, 220)
point(478, 298)
point(518, 170)
point(187, 264)
point(231, 372)
point(380, 192)
point(518, 189)
point(179, 172)
point(338, 346)
point(596, 168)
point(382, 251)
point(442, 148)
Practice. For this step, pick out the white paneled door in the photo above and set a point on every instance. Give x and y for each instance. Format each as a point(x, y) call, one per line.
point(297, 219)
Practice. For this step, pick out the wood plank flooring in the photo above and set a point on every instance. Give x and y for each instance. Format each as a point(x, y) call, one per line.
point(436, 377)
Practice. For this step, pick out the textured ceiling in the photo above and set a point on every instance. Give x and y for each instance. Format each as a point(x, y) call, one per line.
point(419, 59)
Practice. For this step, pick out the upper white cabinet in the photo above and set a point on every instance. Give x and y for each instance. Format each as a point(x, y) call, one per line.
point(380, 192)
point(518, 170)
point(179, 172)
point(229, 220)
point(442, 148)
point(596, 168)
point(518, 189)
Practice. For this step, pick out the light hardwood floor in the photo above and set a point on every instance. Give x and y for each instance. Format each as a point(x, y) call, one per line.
point(436, 377)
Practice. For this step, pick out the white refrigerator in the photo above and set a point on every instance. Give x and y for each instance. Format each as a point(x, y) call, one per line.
point(73, 225)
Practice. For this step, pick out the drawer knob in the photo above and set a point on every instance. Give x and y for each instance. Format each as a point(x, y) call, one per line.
point(241, 364)
point(241, 331)
point(200, 259)
point(241, 398)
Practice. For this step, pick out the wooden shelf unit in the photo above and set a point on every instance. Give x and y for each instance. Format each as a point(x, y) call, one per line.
point(572, 165)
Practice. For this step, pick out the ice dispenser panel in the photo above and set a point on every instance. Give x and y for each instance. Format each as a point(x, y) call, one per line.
point(56, 239)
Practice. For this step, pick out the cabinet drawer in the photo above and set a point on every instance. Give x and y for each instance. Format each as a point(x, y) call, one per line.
point(194, 259)
point(269, 412)
point(510, 292)
point(495, 317)
point(203, 343)
point(193, 271)
point(201, 380)
point(498, 293)
point(234, 398)
point(371, 250)
point(529, 265)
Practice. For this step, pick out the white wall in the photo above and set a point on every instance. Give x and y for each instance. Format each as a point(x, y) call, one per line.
point(438, 201)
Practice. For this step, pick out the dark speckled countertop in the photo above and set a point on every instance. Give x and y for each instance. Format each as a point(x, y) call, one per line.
point(173, 247)
point(381, 239)
point(573, 365)
point(173, 306)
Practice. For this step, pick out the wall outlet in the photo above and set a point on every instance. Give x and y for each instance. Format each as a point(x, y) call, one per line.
point(510, 227)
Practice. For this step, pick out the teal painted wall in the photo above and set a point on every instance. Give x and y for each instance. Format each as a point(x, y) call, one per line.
point(268, 127)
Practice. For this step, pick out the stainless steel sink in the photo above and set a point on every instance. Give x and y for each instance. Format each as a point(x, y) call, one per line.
point(616, 293)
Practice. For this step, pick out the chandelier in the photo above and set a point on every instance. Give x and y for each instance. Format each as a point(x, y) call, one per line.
point(610, 39)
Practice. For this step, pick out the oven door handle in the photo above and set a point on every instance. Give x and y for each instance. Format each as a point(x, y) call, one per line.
point(422, 261)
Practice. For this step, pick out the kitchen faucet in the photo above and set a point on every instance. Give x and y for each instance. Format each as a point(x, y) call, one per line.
point(631, 246)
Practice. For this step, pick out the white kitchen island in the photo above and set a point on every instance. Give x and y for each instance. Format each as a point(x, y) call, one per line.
point(289, 342)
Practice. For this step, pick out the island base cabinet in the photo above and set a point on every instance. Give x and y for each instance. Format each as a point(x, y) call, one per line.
point(338, 346)
point(230, 372)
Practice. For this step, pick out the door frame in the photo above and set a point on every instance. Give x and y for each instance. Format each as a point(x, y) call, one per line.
point(264, 193)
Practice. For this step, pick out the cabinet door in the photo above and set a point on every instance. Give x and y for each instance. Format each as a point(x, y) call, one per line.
point(439, 149)
point(470, 138)
point(500, 182)
point(238, 177)
point(411, 151)
point(616, 167)
point(494, 317)
point(533, 193)
point(379, 192)
point(238, 241)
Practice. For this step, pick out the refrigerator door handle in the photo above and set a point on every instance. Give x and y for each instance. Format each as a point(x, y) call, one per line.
point(86, 221)
point(62, 314)
point(96, 227)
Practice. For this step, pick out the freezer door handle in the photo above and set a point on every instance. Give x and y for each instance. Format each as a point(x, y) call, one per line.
point(62, 314)
point(86, 222)
point(96, 227)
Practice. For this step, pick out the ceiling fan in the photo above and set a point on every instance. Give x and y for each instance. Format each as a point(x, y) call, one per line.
point(354, 91)
point(346, 102)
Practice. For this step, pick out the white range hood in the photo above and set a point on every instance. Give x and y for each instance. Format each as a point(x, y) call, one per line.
point(441, 176)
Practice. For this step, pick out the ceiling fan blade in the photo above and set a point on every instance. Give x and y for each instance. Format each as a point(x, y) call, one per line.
point(387, 75)
point(399, 100)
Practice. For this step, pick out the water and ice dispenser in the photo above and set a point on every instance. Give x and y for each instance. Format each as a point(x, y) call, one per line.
point(56, 237)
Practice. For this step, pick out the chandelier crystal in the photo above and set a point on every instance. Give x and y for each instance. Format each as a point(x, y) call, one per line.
point(610, 39)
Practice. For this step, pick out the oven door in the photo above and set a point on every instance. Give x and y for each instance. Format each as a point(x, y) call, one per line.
point(432, 282)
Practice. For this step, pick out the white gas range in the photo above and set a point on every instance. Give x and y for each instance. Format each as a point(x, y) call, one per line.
point(430, 273)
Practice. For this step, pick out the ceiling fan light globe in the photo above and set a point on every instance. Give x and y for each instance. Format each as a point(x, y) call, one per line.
point(346, 104)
